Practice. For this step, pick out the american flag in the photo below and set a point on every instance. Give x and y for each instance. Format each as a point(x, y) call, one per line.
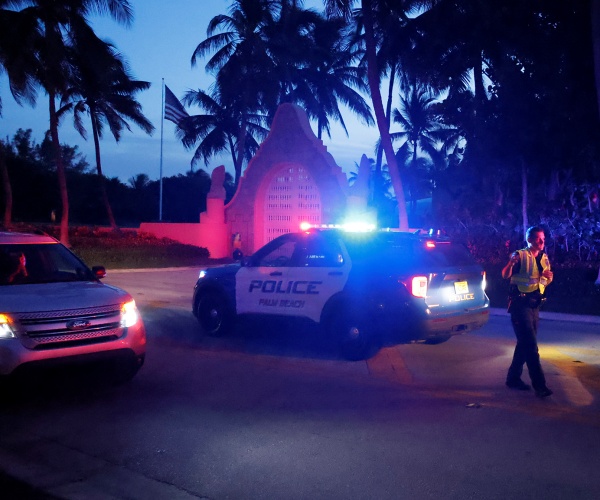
point(174, 111)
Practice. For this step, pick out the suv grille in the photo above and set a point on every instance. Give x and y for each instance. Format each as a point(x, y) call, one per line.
point(57, 329)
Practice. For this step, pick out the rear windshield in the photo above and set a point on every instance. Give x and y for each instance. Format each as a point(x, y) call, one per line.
point(40, 263)
point(398, 252)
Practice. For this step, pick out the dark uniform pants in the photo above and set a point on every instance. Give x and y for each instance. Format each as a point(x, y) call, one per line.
point(525, 321)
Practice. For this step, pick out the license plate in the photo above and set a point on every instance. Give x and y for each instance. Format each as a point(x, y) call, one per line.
point(461, 287)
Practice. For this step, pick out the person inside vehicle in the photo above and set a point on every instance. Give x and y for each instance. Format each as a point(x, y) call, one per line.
point(20, 271)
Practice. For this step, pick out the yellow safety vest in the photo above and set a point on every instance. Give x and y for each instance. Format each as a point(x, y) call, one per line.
point(529, 279)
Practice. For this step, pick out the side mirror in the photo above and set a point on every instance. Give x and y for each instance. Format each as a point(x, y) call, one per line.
point(99, 272)
point(246, 262)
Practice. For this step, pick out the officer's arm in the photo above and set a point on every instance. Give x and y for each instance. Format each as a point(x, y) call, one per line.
point(547, 273)
point(507, 270)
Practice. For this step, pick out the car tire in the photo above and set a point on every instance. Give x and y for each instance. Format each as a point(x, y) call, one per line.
point(213, 313)
point(354, 334)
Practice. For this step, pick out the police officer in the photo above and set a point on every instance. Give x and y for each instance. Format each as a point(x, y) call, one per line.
point(529, 273)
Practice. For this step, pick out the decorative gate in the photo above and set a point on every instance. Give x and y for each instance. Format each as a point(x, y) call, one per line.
point(292, 197)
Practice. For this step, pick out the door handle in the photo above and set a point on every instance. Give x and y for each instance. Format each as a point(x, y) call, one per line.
point(335, 273)
point(275, 273)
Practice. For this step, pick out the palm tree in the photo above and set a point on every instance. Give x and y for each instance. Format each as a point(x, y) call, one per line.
point(102, 87)
point(139, 181)
point(427, 139)
point(240, 55)
point(18, 62)
point(330, 76)
point(57, 32)
point(344, 8)
point(218, 130)
point(282, 53)
point(419, 120)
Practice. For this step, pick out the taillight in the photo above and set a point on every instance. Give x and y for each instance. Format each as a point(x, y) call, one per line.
point(483, 280)
point(417, 286)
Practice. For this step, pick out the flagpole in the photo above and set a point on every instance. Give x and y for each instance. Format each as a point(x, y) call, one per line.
point(162, 125)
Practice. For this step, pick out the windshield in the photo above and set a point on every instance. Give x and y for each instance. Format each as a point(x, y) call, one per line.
point(40, 263)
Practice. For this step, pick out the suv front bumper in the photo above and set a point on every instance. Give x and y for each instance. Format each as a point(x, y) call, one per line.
point(13, 352)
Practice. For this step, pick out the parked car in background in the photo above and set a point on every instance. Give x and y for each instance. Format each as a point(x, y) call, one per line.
point(55, 310)
point(365, 288)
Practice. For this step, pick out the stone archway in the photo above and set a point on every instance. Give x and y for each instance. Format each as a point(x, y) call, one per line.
point(289, 195)
point(293, 170)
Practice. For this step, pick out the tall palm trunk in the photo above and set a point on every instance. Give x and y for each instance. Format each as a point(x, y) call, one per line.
point(596, 45)
point(8, 200)
point(60, 171)
point(480, 97)
point(237, 166)
point(378, 191)
point(101, 179)
point(241, 148)
point(388, 114)
point(524, 200)
point(386, 141)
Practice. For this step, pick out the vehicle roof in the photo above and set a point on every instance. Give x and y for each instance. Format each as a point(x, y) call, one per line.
point(396, 234)
point(18, 238)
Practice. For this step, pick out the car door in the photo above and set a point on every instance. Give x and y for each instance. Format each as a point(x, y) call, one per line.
point(262, 281)
point(318, 271)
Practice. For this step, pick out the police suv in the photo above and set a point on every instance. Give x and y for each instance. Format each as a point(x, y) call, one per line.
point(364, 288)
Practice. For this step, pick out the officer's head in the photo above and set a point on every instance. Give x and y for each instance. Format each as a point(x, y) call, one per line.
point(533, 230)
point(536, 237)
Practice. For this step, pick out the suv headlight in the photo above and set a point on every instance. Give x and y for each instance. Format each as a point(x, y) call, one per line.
point(6, 331)
point(129, 314)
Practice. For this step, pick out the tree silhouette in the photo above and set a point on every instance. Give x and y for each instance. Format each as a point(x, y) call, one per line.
point(102, 87)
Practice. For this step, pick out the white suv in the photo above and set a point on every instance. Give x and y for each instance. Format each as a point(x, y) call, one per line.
point(53, 308)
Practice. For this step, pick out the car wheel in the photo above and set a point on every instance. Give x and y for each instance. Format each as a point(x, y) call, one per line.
point(355, 337)
point(213, 314)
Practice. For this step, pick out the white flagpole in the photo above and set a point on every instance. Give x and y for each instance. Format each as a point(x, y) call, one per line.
point(162, 125)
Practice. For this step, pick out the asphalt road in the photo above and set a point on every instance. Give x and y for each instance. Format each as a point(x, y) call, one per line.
point(273, 413)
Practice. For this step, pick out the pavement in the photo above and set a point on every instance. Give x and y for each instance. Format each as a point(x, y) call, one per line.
point(13, 488)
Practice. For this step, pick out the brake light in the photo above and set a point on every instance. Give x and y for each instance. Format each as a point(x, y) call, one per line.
point(417, 286)
point(483, 280)
point(430, 244)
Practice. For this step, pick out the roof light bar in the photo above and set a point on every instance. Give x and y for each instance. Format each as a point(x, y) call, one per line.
point(351, 227)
